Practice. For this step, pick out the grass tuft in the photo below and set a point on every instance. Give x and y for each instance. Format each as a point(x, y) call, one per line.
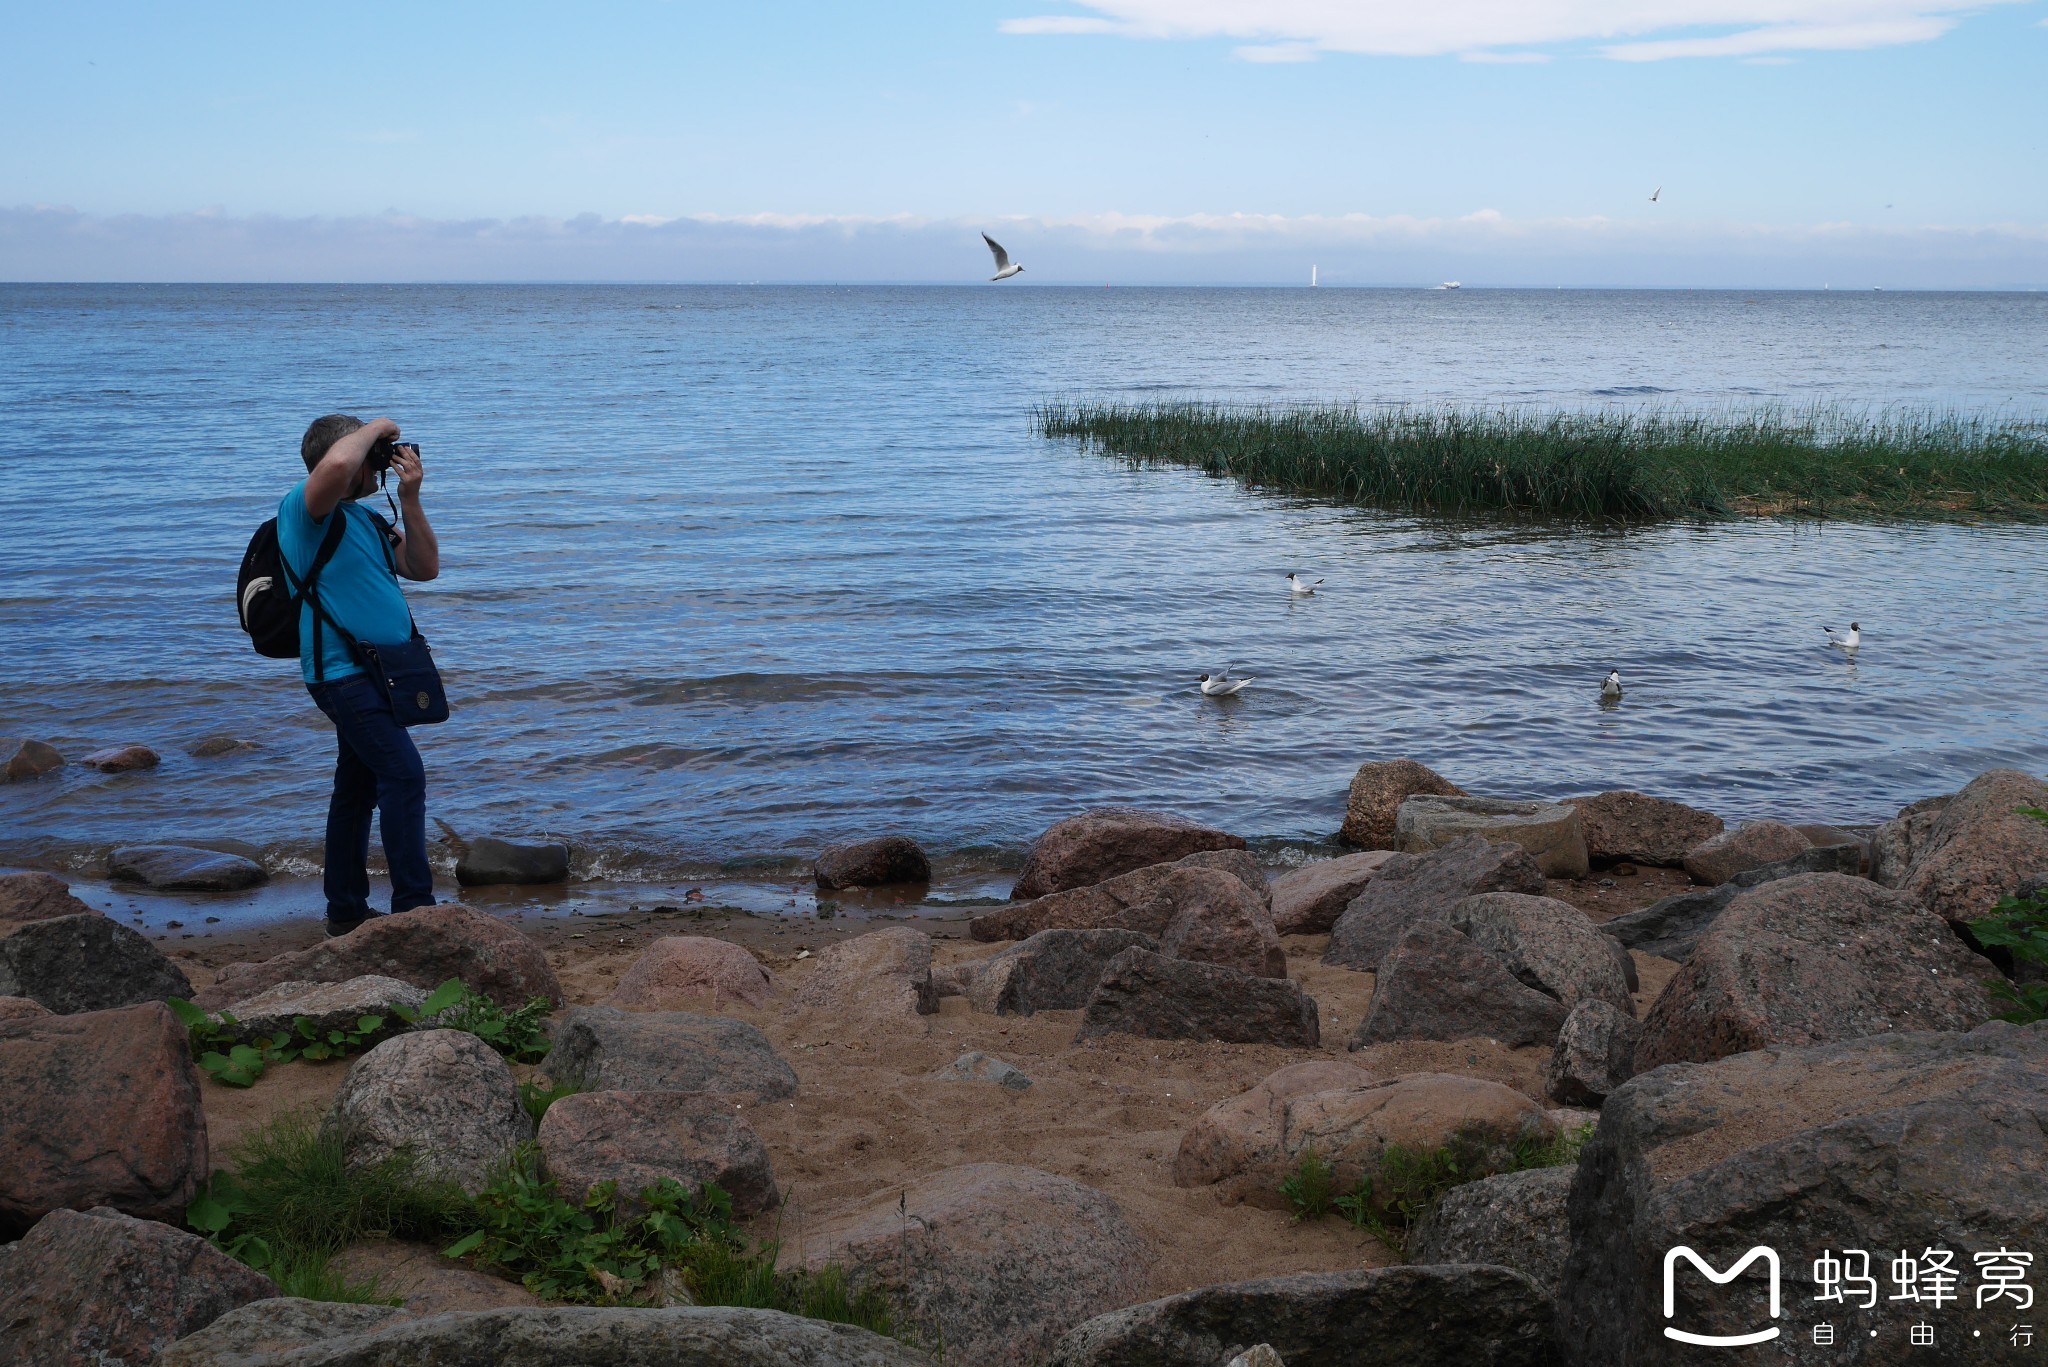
point(1601, 465)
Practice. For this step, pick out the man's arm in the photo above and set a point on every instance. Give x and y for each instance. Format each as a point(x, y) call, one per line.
point(334, 478)
point(419, 551)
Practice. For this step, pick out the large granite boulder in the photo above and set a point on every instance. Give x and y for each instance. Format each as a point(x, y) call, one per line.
point(1308, 900)
point(490, 862)
point(606, 1049)
point(1906, 1141)
point(86, 963)
point(880, 862)
point(692, 972)
point(327, 1007)
point(1511, 1219)
point(249, 1335)
point(425, 947)
point(182, 868)
point(1213, 906)
point(1436, 984)
point(443, 1096)
point(1624, 826)
point(1669, 928)
point(1720, 858)
point(995, 1261)
point(27, 759)
point(98, 1288)
point(1424, 887)
point(1054, 970)
point(1549, 945)
point(1550, 833)
point(100, 1109)
point(1157, 997)
point(1103, 843)
point(884, 974)
point(1898, 844)
point(122, 759)
point(1377, 791)
point(1247, 1145)
point(1410, 1316)
point(1595, 1053)
point(1811, 959)
point(26, 897)
point(1979, 847)
point(636, 1139)
point(580, 1336)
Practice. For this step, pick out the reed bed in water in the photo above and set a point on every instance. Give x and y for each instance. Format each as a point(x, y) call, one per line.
point(1600, 464)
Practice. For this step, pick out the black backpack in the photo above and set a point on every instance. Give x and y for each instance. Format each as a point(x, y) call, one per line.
point(264, 593)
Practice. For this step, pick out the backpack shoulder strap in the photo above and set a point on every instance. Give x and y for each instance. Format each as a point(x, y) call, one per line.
point(308, 590)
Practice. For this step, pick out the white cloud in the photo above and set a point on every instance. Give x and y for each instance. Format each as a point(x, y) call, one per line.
point(1626, 30)
point(1277, 52)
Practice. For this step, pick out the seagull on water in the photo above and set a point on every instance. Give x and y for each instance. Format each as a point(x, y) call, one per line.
point(1848, 642)
point(1221, 685)
point(1301, 588)
point(1004, 270)
point(1610, 687)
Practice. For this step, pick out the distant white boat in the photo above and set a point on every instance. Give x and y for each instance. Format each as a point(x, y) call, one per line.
point(1450, 285)
point(1311, 277)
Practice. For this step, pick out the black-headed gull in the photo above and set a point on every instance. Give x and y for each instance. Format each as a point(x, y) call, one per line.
point(1848, 642)
point(1301, 588)
point(1004, 270)
point(1221, 685)
point(1610, 687)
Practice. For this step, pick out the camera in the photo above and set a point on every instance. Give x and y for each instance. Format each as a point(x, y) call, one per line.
point(383, 449)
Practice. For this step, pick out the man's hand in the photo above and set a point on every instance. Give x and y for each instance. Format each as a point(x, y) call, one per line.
point(336, 476)
point(406, 463)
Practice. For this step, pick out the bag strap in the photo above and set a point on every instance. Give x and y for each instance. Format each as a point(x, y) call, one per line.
point(308, 590)
point(384, 537)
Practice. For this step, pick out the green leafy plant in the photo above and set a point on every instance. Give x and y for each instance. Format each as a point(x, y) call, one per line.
point(1311, 1187)
point(221, 1054)
point(537, 1098)
point(2019, 926)
point(520, 1035)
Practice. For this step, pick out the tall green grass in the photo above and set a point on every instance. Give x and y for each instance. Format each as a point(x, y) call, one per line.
point(1594, 465)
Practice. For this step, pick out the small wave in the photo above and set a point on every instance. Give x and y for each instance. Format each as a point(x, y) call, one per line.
point(1629, 391)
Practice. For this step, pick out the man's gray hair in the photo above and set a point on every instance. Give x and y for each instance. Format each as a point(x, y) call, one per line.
point(323, 434)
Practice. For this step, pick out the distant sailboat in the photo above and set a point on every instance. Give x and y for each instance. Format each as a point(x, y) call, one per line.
point(1311, 277)
point(1450, 285)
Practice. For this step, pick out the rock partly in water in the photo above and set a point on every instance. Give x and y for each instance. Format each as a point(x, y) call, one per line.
point(1511, 1219)
point(1980, 847)
point(424, 947)
point(182, 868)
point(1624, 826)
point(1308, 900)
point(1436, 984)
point(489, 862)
point(1151, 995)
point(249, 1335)
point(64, 1078)
point(1913, 1141)
point(1377, 791)
point(1196, 909)
point(1811, 959)
point(994, 1259)
point(881, 862)
point(1054, 970)
point(444, 1096)
point(1103, 843)
point(1550, 833)
point(606, 1049)
point(26, 897)
point(122, 759)
point(975, 1066)
point(1671, 927)
point(1411, 1316)
point(213, 747)
point(1595, 1054)
point(327, 1007)
point(27, 759)
point(1716, 860)
point(884, 974)
point(86, 963)
point(1549, 945)
point(692, 972)
point(101, 1288)
point(636, 1139)
point(1424, 887)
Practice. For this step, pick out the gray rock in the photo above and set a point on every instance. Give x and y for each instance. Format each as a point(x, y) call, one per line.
point(26, 897)
point(880, 862)
point(1196, 910)
point(249, 1335)
point(1147, 994)
point(1549, 945)
point(1719, 859)
point(327, 1006)
point(86, 963)
point(1810, 959)
point(1898, 844)
point(1669, 928)
point(1436, 984)
point(1103, 843)
point(1595, 1054)
point(122, 759)
point(638, 1138)
point(884, 974)
point(1551, 834)
point(1378, 789)
point(1916, 1140)
point(1054, 970)
point(1413, 1316)
point(1981, 847)
point(27, 759)
point(1424, 887)
point(1308, 900)
point(1239, 864)
point(570, 1336)
point(975, 1066)
point(1627, 826)
point(995, 1260)
point(102, 1289)
point(607, 1049)
point(487, 862)
point(213, 747)
point(1512, 1219)
point(444, 1096)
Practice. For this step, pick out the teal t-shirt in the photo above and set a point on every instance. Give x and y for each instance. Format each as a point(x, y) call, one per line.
point(357, 586)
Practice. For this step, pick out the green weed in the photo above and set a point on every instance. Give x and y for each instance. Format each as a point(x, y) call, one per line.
point(520, 1035)
point(216, 1050)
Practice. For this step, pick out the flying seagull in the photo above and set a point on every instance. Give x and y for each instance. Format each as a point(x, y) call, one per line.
point(1004, 270)
point(1301, 588)
point(1610, 687)
point(1656, 192)
point(1221, 685)
point(1849, 642)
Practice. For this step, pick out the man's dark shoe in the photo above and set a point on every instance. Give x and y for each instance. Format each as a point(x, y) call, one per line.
point(338, 928)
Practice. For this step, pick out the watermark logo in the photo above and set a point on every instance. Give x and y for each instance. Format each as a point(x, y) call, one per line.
point(1769, 1257)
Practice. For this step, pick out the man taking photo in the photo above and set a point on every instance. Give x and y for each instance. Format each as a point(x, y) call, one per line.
point(377, 766)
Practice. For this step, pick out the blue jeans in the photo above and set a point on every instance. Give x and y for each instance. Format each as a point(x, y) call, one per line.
point(377, 767)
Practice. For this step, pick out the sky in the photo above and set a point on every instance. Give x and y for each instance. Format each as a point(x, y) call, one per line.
point(1515, 142)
